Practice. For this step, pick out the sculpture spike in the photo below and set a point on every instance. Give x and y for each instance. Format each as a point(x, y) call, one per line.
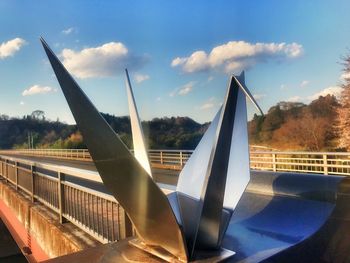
point(140, 150)
point(193, 178)
point(212, 198)
point(144, 202)
point(241, 83)
point(238, 171)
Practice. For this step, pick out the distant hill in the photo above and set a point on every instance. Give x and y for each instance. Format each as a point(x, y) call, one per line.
point(296, 126)
point(286, 126)
point(166, 133)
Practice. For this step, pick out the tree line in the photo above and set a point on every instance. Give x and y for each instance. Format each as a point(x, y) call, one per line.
point(322, 125)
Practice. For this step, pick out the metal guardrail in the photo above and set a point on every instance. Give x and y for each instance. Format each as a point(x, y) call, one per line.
point(335, 163)
point(90, 208)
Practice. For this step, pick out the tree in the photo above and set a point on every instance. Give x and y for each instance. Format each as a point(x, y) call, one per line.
point(344, 110)
point(38, 115)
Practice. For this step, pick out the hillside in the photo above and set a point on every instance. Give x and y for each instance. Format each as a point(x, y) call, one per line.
point(286, 126)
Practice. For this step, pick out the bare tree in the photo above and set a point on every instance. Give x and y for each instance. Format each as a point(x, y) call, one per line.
point(344, 110)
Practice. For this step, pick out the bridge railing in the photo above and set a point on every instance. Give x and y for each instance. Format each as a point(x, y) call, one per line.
point(89, 207)
point(336, 163)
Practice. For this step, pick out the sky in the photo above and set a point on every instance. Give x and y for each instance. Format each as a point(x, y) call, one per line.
point(180, 54)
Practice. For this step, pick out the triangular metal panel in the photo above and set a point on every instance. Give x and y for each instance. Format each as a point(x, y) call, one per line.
point(238, 173)
point(192, 176)
point(212, 198)
point(144, 202)
point(140, 149)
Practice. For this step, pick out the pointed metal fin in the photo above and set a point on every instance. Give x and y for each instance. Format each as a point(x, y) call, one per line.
point(241, 83)
point(212, 197)
point(193, 178)
point(146, 205)
point(140, 150)
point(238, 173)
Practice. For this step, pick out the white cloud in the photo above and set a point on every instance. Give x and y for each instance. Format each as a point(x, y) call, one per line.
point(345, 76)
point(69, 30)
point(21, 103)
point(183, 90)
point(283, 86)
point(187, 88)
point(304, 83)
point(237, 55)
point(333, 90)
point(259, 96)
point(37, 89)
point(210, 78)
point(102, 61)
point(158, 99)
point(295, 99)
point(9, 48)
point(141, 78)
point(208, 104)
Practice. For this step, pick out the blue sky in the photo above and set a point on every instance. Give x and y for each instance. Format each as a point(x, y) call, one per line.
point(179, 53)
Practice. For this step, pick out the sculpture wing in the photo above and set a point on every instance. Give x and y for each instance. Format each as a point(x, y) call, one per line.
point(143, 201)
point(140, 150)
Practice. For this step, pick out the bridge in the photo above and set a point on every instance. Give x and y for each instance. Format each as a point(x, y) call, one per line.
point(59, 191)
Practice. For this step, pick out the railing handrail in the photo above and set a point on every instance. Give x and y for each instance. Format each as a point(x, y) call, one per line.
point(292, 161)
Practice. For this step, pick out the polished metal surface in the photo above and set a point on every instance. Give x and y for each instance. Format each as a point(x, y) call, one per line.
point(144, 202)
point(238, 171)
point(192, 176)
point(138, 139)
point(207, 235)
point(233, 172)
point(279, 211)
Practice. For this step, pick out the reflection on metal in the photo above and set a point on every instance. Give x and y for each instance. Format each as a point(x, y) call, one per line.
point(192, 176)
point(210, 207)
point(238, 171)
point(217, 170)
point(146, 205)
point(140, 150)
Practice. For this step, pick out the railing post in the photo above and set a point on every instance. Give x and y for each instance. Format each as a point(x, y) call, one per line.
point(161, 157)
point(16, 175)
point(6, 171)
point(32, 183)
point(181, 159)
point(274, 165)
point(325, 164)
point(125, 224)
point(60, 197)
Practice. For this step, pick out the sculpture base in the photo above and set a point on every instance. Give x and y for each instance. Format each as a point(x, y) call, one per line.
point(208, 256)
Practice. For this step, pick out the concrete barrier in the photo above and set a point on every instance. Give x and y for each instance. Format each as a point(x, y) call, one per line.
point(37, 230)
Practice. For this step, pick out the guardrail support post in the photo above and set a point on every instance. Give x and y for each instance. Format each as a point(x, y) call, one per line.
point(125, 224)
point(325, 164)
point(60, 197)
point(32, 183)
point(16, 175)
point(161, 157)
point(6, 171)
point(181, 159)
point(274, 165)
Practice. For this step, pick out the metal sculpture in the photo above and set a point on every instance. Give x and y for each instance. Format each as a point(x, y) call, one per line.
point(160, 222)
point(202, 220)
point(144, 202)
point(138, 138)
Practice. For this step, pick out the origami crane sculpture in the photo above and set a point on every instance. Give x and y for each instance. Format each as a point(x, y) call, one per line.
point(191, 223)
